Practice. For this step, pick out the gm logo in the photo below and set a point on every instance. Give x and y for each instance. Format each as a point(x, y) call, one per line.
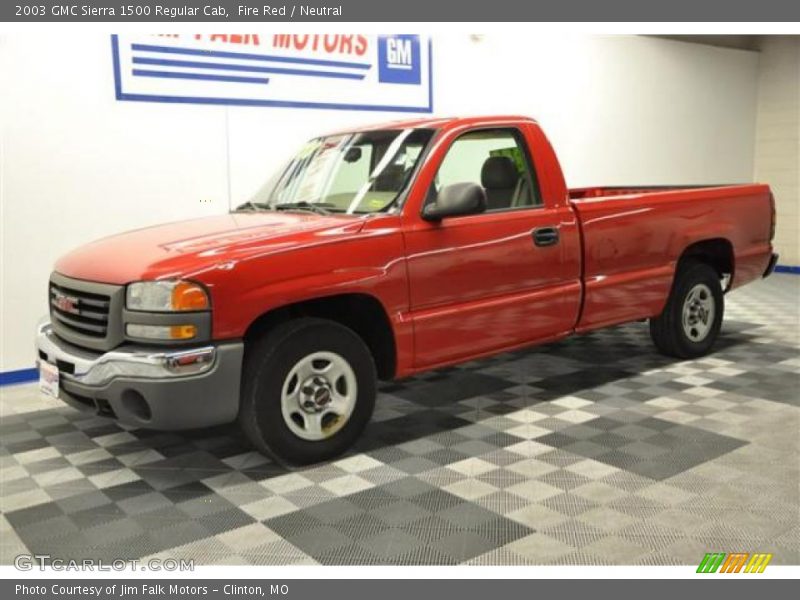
point(399, 59)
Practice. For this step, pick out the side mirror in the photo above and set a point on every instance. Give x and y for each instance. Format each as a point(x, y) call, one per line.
point(456, 200)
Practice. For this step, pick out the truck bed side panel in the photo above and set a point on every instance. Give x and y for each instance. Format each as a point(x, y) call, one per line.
point(632, 244)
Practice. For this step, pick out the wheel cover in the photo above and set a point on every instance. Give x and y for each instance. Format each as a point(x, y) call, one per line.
point(699, 310)
point(318, 396)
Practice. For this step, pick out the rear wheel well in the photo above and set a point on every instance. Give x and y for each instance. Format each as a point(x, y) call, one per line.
point(717, 253)
point(362, 313)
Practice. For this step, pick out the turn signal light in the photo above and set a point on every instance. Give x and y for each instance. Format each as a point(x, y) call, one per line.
point(182, 332)
point(189, 296)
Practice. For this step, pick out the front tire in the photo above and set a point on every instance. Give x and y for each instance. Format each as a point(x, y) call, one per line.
point(308, 391)
point(690, 322)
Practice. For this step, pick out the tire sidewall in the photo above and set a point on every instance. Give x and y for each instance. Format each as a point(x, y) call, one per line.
point(264, 390)
point(695, 274)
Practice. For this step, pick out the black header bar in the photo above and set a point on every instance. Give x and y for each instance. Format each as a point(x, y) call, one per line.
point(331, 11)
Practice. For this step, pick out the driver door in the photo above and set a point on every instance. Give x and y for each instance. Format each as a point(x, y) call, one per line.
point(486, 282)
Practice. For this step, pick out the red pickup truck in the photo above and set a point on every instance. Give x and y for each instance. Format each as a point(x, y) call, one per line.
point(377, 254)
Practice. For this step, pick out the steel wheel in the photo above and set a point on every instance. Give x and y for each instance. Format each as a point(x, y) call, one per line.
point(318, 396)
point(698, 312)
point(692, 317)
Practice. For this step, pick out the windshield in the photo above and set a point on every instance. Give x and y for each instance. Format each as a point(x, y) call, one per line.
point(352, 173)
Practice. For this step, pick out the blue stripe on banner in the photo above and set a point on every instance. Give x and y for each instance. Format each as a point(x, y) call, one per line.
point(117, 75)
point(264, 57)
point(20, 376)
point(795, 270)
point(233, 67)
point(202, 76)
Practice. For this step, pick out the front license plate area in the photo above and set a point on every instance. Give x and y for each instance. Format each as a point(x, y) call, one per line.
point(48, 379)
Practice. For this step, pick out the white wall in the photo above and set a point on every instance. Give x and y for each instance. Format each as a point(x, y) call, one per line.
point(619, 110)
point(777, 154)
point(76, 164)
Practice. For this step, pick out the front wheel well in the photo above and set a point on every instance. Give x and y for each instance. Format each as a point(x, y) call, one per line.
point(362, 313)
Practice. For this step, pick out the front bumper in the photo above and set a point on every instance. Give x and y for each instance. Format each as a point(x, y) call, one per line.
point(150, 387)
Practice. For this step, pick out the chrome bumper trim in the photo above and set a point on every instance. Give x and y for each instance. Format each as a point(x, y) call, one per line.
point(96, 369)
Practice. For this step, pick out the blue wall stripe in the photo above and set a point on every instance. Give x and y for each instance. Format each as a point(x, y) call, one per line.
point(201, 76)
point(795, 270)
point(20, 376)
point(192, 64)
point(246, 56)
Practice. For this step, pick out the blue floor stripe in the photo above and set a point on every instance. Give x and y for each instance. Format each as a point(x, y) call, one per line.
point(795, 270)
point(20, 376)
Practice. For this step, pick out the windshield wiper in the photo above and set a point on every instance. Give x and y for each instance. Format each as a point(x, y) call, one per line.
point(250, 205)
point(320, 208)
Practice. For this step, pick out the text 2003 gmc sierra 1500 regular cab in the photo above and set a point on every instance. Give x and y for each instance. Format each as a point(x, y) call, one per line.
point(377, 254)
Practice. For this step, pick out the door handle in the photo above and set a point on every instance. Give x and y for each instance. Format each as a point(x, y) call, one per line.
point(545, 236)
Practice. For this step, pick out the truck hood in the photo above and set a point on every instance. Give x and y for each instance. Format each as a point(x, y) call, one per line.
point(187, 248)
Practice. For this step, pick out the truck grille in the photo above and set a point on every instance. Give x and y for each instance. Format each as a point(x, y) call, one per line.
point(86, 313)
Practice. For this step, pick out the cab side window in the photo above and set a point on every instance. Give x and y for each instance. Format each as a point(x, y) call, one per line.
point(495, 159)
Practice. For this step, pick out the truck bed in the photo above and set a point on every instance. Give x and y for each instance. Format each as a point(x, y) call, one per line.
point(634, 236)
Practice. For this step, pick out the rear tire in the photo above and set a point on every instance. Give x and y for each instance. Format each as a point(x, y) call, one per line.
point(308, 391)
point(690, 322)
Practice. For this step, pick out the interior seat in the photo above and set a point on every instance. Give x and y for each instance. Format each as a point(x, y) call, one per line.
point(499, 176)
point(391, 179)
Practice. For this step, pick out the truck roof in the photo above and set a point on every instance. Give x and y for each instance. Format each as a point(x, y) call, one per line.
point(438, 123)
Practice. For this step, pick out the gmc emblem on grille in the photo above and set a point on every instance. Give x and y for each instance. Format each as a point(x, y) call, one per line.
point(65, 303)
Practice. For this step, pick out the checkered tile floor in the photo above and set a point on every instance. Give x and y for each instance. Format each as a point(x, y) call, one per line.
point(595, 450)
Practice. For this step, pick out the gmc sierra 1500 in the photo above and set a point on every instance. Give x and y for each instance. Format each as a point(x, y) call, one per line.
point(380, 253)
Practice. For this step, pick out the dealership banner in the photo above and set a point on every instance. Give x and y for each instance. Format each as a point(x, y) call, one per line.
point(391, 72)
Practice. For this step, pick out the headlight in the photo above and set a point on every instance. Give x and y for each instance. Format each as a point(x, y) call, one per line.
point(167, 296)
